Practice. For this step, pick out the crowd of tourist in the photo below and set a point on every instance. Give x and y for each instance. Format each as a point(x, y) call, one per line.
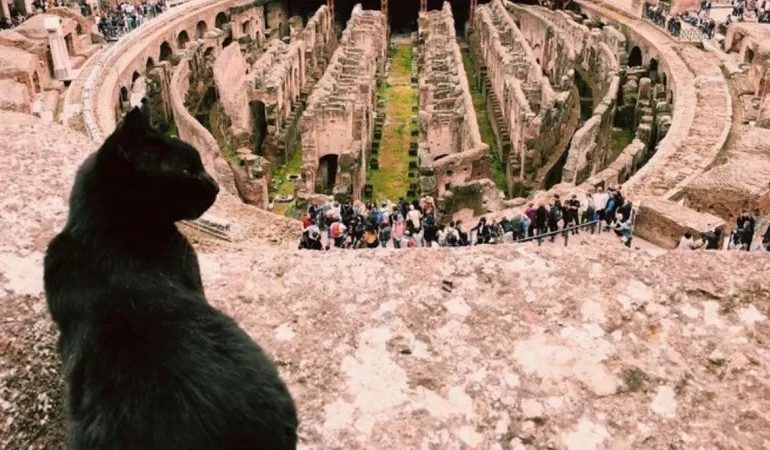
point(673, 23)
point(127, 16)
point(741, 237)
point(112, 23)
point(410, 225)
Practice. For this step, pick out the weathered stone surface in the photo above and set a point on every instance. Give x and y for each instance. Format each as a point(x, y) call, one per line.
point(230, 76)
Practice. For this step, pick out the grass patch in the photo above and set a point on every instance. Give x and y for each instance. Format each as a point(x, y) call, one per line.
point(485, 125)
point(280, 171)
point(391, 181)
point(620, 140)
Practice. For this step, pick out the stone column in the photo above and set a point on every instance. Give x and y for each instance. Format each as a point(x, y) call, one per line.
point(6, 11)
point(62, 70)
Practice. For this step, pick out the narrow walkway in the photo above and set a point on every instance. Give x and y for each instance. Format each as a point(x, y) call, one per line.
point(391, 180)
point(482, 116)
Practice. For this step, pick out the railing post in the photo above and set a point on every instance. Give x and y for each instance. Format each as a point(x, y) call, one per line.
point(566, 237)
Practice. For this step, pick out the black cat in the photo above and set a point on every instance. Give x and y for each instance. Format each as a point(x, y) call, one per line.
point(149, 363)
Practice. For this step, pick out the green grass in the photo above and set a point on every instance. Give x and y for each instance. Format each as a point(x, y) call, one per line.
point(485, 124)
point(280, 171)
point(620, 140)
point(285, 187)
point(391, 181)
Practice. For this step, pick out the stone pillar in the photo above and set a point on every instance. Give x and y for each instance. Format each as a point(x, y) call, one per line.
point(6, 11)
point(62, 70)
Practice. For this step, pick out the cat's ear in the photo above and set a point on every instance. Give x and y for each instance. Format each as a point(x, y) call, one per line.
point(135, 124)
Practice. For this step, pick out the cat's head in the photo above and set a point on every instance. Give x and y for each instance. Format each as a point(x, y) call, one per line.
point(145, 173)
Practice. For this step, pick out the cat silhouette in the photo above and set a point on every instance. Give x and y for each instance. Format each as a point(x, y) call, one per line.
point(148, 362)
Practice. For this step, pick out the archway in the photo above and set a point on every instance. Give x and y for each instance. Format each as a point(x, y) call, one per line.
point(749, 56)
point(165, 51)
point(246, 28)
point(653, 65)
point(327, 173)
point(200, 29)
point(182, 39)
point(123, 98)
point(149, 65)
point(221, 20)
point(134, 77)
point(227, 42)
point(260, 125)
point(635, 57)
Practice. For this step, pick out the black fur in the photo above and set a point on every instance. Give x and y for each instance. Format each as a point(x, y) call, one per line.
point(149, 363)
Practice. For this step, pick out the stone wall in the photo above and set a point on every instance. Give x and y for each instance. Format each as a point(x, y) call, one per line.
point(752, 43)
point(230, 75)
point(339, 118)
point(450, 148)
point(597, 56)
point(191, 131)
point(247, 22)
point(533, 113)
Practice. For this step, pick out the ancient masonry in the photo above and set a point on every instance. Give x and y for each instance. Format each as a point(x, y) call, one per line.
point(531, 115)
point(451, 153)
point(338, 123)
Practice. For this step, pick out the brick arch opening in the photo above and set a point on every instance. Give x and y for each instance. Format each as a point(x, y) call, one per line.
point(165, 51)
point(149, 65)
point(221, 20)
point(635, 58)
point(200, 29)
point(182, 39)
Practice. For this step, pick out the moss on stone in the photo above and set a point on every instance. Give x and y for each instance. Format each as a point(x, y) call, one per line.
point(390, 181)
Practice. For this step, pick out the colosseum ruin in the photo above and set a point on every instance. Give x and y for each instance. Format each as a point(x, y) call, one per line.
point(469, 109)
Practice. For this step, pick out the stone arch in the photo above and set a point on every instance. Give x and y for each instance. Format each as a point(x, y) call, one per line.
point(134, 76)
point(246, 28)
point(327, 172)
point(208, 53)
point(182, 39)
point(749, 56)
point(653, 65)
point(165, 51)
point(149, 64)
point(221, 20)
point(200, 29)
point(226, 42)
point(123, 98)
point(635, 58)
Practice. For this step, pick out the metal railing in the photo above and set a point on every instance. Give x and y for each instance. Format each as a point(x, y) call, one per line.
point(564, 231)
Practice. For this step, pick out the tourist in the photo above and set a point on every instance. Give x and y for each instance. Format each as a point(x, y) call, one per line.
point(483, 231)
point(554, 216)
point(531, 214)
point(625, 230)
point(385, 234)
point(398, 230)
point(711, 238)
point(311, 238)
point(766, 239)
point(571, 213)
point(452, 237)
point(590, 211)
point(430, 230)
point(686, 242)
point(337, 232)
point(414, 224)
point(541, 219)
point(600, 202)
